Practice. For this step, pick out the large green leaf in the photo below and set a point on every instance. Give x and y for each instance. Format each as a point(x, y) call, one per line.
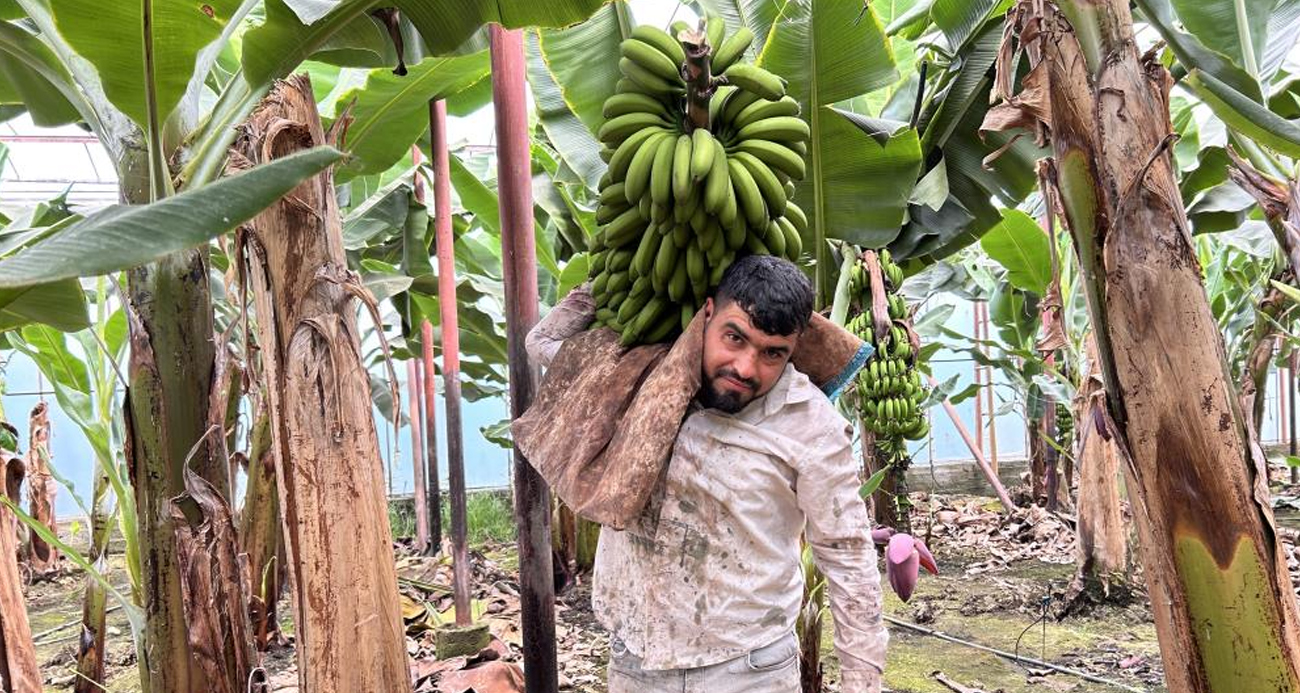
point(1193, 54)
point(572, 71)
point(61, 305)
point(1283, 29)
point(1235, 28)
point(829, 51)
point(758, 15)
point(282, 41)
point(1019, 245)
point(862, 175)
point(38, 78)
point(19, 84)
point(142, 46)
point(483, 203)
point(362, 42)
point(445, 25)
point(1245, 115)
point(855, 190)
point(958, 19)
point(391, 112)
point(572, 140)
point(124, 236)
point(57, 363)
point(583, 60)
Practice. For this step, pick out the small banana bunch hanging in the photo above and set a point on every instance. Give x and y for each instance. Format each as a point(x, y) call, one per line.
point(679, 200)
point(889, 387)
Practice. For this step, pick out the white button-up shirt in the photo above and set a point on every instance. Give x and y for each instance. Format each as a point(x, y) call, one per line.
point(712, 570)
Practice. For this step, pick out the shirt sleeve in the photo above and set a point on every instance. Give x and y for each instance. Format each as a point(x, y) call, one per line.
point(838, 529)
point(569, 317)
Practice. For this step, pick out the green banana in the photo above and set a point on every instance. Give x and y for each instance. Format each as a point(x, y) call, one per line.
point(619, 260)
point(781, 129)
point(695, 267)
point(702, 144)
point(643, 261)
point(730, 211)
point(768, 185)
point(665, 261)
point(739, 100)
point(682, 169)
point(638, 171)
point(662, 329)
point(682, 235)
point(774, 239)
point(795, 214)
point(748, 194)
point(619, 128)
point(624, 229)
point(660, 39)
point(756, 80)
point(679, 283)
point(718, 187)
point(651, 58)
point(661, 174)
point(731, 49)
point(713, 30)
point(632, 305)
point(759, 110)
point(622, 159)
point(649, 81)
point(793, 242)
point(613, 194)
point(607, 213)
point(776, 155)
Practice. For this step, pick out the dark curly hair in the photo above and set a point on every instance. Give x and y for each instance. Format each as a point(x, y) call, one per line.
point(775, 294)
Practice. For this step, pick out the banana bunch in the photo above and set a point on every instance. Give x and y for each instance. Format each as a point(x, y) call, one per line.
point(1064, 426)
point(889, 387)
point(679, 203)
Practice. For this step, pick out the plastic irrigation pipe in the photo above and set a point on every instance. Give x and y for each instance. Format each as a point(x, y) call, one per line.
point(1012, 656)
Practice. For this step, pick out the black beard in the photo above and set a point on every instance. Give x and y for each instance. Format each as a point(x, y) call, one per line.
point(712, 399)
point(729, 402)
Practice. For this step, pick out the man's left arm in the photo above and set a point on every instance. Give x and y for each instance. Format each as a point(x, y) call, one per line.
point(838, 529)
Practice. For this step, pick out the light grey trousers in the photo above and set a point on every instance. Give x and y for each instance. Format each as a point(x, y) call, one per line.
point(773, 668)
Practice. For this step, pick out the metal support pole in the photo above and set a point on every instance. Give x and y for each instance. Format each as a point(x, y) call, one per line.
point(417, 457)
point(429, 415)
point(532, 497)
point(450, 356)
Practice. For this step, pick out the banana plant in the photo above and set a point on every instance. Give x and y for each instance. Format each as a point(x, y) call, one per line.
point(166, 108)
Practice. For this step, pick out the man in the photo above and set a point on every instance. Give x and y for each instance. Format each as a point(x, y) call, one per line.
point(701, 593)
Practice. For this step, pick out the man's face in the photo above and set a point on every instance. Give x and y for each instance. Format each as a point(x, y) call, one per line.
point(741, 362)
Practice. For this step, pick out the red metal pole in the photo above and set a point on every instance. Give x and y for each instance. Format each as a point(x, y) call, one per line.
point(417, 456)
point(519, 262)
point(434, 494)
point(430, 416)
point(450, 356)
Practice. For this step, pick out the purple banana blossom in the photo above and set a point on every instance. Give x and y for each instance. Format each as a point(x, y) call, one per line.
point(904, 556)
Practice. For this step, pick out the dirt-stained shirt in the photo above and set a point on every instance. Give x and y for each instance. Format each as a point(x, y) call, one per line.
point(712, 569)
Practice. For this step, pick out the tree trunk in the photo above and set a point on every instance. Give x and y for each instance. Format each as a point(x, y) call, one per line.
point(1103, 544)
point(15, 471)
point(18, 672)
point(337, 539)
point(260, 538)
point(1222, 599)
point(165, 414)
point(90, 649)
point(41, 489)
